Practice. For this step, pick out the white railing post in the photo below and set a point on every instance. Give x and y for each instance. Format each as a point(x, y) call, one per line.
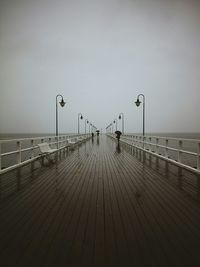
point(56, 139)
point(32, 148)
point(144, 141)
point(137, 141)
point(65, 140)
point(198, 156)
point(179, 151)
point(149, 144)
point(0, 157)
point(59, 141)
point(132, 145)
point(157, 147)
point(140, 141)
point(19, 156)
point(132, 141)
point(166, 147)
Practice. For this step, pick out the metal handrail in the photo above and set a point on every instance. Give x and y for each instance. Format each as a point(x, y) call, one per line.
point(139, 142)
point(61, 141)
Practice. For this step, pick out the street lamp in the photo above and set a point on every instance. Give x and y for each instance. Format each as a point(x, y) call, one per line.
point(111, 125)
point(62, 103)
point(110, 128)
point(86, 121)
point(121, 116)
point(89, 126)
point(115, 121)
point(80, 116)
point(138, 102)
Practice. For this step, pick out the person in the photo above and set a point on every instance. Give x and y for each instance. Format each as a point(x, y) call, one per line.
point(92, 136)
point(118, 134)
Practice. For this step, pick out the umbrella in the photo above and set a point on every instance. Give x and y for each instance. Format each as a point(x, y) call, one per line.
point(118, 132)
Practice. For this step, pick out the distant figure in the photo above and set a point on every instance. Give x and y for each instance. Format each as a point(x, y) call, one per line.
point(97, 133)
point(118, 134)
point(92, 137)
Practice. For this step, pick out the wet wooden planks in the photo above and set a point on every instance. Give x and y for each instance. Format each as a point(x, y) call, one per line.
point(99, 207)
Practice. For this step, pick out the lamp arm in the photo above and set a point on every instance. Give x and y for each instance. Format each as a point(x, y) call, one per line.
point(58, 96)
point(142, 96)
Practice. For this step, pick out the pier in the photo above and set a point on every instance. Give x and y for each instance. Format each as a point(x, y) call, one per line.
point(99, 205)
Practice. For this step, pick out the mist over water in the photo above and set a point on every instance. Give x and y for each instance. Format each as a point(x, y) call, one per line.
point(173, 135)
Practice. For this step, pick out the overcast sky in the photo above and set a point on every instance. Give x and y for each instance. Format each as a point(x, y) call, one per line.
point(99, 55)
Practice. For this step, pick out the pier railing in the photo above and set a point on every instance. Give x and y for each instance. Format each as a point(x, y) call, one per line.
point(15, 153)
point(184, 153)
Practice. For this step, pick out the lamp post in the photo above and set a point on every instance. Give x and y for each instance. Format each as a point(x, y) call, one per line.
point(138, 102)
point(115, 121)
point(108, 129)
point(62, 103)
point(111, 125)
point(80, 116)
point(90, 126)
point(121, 116)
point(86, 121)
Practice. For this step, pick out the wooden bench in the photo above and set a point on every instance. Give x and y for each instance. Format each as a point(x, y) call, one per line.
point(71, 143)
point(46, 151)
point(80, 139)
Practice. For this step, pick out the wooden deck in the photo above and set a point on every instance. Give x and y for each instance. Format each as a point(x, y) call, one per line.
point(99, 207)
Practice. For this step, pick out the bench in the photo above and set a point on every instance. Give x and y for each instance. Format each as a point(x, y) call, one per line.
point(80, 139)
point(46, 150)
point(71, 143)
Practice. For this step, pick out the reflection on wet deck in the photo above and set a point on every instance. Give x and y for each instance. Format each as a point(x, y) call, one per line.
point(99, 206)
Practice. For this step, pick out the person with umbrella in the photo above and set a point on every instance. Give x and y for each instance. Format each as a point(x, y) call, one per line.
point(118, 134)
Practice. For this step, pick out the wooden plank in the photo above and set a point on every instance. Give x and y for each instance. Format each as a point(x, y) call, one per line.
point(174, 234)
point(121, 242)
point(48, 228)
point(100, 207)
point(99, 248)
point(111, 252)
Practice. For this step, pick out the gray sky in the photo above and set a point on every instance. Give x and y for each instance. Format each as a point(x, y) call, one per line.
point(99, 55)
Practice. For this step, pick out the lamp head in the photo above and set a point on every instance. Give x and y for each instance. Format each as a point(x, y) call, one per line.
point(81, 117)
point(62, 102)
point(87, 121)
point(120, 117)
point(138, 102)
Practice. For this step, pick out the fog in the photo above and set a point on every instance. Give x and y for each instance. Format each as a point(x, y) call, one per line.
point(99, 55)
